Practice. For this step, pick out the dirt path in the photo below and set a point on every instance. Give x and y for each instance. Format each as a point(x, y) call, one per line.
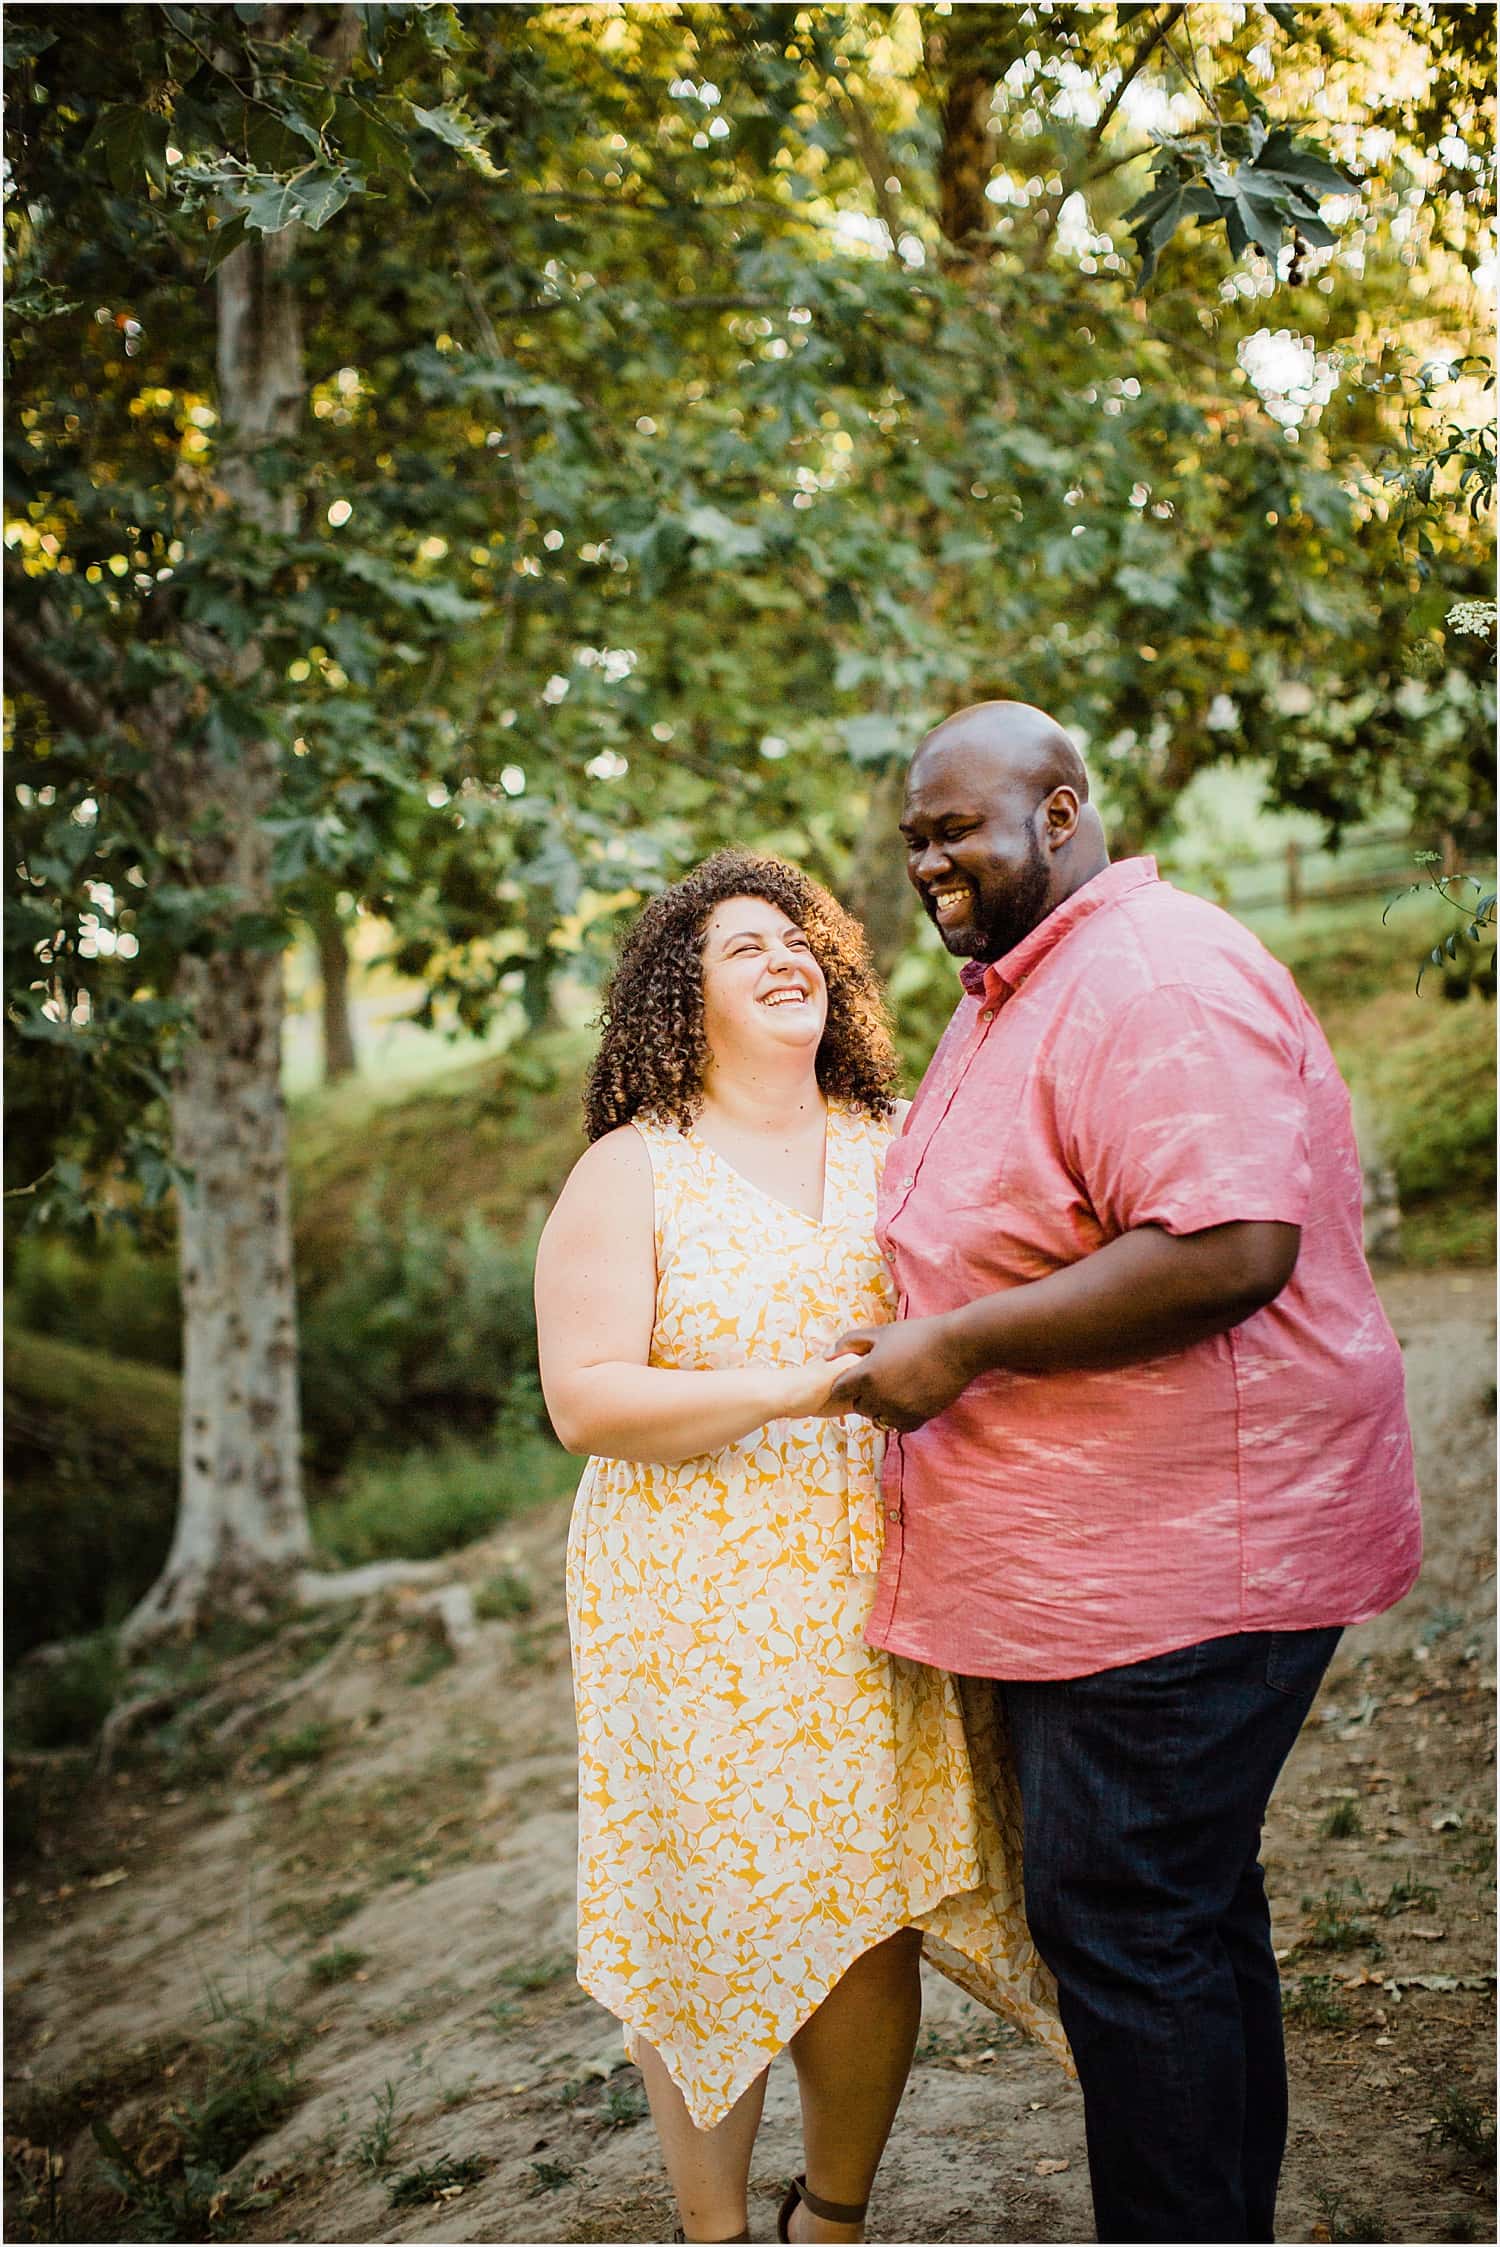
point(417, 1839)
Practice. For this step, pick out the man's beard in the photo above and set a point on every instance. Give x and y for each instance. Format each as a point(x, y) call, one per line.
point(999, 923)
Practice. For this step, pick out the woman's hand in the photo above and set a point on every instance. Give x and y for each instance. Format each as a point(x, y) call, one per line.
point(809, 1388)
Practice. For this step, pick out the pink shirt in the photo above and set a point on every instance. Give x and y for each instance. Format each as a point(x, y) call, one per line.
point(1139, 1059)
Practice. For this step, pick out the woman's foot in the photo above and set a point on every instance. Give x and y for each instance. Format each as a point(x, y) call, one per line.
point(806, 2216)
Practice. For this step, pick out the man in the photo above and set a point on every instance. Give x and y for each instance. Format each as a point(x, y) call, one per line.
point(1150, 1450)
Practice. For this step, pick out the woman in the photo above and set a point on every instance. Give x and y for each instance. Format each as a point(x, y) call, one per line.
point(770, 1810)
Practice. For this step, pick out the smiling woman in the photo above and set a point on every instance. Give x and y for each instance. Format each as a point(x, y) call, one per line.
point(771, 1813)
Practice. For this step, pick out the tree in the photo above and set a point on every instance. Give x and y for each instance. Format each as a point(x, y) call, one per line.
point(697, 401)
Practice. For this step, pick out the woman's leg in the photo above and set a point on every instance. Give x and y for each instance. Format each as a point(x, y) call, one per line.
point(709, 2169)
point(852, 2061)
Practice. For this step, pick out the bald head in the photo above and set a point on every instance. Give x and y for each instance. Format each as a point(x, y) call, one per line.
point(1019, 744)
point(998, 825)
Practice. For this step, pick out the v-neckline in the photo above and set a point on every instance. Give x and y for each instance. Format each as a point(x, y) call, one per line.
point(830, 1142)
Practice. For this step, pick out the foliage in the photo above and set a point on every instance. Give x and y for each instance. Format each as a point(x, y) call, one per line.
point(425, 1503)
point(63, 1703)
point(695, 413)
point(419, 1336)
point(1465, 955)
point(91, 1478)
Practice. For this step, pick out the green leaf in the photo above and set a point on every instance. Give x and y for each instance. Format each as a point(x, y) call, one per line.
point(134, 145)
point(1283, 155)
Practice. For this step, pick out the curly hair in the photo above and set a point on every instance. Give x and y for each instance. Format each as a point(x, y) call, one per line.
point(653, 1052)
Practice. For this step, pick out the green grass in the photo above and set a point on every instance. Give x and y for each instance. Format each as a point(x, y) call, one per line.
point(340, 1964)
point(1311, 2003)
point(1421, 1066)
point(427, 1503)
point(63, 1704)
point(433, 2179)
point(504, 1597)
point(1343, 1822)
point(292, 1751)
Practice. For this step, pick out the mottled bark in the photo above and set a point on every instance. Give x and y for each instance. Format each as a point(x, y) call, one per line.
point(340, 1058)
point(241, 1522)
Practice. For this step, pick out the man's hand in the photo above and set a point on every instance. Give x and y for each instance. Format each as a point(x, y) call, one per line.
point(906, 1374)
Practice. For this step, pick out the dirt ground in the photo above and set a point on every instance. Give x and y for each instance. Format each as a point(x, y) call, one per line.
point(412, 1828)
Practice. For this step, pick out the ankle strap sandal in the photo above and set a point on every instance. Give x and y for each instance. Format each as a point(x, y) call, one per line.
point(734, 2240)
point(831, 2211)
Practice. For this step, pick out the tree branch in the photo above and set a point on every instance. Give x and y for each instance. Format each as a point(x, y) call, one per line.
point(1081, 171)
point(70, 702)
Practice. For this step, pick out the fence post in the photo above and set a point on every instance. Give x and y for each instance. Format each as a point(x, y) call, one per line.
point(1294, 877)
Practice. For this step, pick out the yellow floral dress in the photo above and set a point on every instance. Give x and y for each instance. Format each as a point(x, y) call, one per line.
point(762, 1796)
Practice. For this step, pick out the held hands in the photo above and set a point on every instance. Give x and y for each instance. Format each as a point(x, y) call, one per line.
point(808, 1388)
point(898, 1376)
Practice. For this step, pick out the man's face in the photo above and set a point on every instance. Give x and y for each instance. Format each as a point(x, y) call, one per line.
point(973, 853)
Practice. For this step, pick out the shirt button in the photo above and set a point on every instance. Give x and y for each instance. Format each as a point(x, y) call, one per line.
point(893, 1513)
point(988, 1014)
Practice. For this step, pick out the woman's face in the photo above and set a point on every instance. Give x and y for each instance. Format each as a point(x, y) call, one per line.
point(763, 990)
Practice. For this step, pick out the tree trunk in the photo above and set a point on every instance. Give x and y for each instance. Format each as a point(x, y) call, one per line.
point(877, 891)
point(241, 1524)
point(339, 1056)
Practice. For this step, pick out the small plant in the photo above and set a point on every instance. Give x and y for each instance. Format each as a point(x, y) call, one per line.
point(372, 2148)
point(1311, 2003)
point(436, 1656)
point(1464, 2124)
point(502, 2014)
point(1343, 1821)
point(1408, 1895)
point(537, 1973)
point(552, 2175)
point(289, 1751)
point(435, 2180)
point(625, 2102)
point(504, 1597)
point(1345, 2222)
point(324, 1914)
point(1335, 1927)
point(340, 1964)
point(63, 1703)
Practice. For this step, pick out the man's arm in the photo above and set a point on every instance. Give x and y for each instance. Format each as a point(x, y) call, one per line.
point(1143, 1295)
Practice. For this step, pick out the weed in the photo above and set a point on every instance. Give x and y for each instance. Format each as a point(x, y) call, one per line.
point(323, 1914)
point(161, 2207)
point(1461, 2123)
point(372, 2148)
point(624, 2102)
point(1335, 1927)
point(1343, 1821)
point(1311, 2003)
point(434, 1658)
point(63, 1703)
point(340, 1964)
point(552, 2175)
point(1345, 2222)
point(504, 1597)
point(1459, 2227)
point(289, 1751)
point(502, 2015)
point(1408, 1895)
point(435, 2180)
point(537, 1973)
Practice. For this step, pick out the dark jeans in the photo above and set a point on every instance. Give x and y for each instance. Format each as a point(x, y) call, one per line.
point(1144, 1790)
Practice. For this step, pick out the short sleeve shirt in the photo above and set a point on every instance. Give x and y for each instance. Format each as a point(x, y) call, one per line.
point(1139, 1060)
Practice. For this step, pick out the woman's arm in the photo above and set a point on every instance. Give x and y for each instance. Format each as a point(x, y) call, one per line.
point(595, 1304)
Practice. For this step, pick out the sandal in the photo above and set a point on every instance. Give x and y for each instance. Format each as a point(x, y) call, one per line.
point(733, 2240)
point(831, 2211)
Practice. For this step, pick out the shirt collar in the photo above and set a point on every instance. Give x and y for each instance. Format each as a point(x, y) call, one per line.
point(992, 979)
